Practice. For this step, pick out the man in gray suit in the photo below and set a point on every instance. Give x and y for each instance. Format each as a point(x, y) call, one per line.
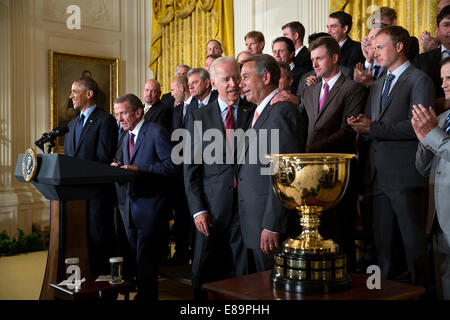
point(433, 160)
point(211, 185)
point(399, 193)
point(261, 214)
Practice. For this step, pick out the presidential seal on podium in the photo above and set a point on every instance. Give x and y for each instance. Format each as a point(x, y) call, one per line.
point(29, 165)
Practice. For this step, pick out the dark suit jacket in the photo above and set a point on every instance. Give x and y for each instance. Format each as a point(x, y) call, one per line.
point(413, 50)
point(98, 139)
point(297, 74)
point(428, 62)
point(346, 71)
point(178, 121)
point(168, 100)
point(194, 105)
point(259, 207)
point(161, 114)
point(392, 143)
point(303, 59)
point(351, 54)
point(328, 130)
point(210, 186)
point(147, 195)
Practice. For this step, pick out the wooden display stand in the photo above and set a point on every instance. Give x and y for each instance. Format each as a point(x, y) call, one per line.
point(68, 183)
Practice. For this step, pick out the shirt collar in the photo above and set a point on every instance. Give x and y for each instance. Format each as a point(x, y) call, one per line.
point(188, 101)
point(223, 105)
point(341, 44)
point(443, 49)
point(136, 129)
point(398, 72)
point(266, 100)
point(298, 50)
point(332, 81)
point(88, 112)
point(206, 100)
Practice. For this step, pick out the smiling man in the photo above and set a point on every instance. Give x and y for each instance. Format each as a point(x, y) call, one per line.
point(146, 150)
point(397, 192)
point(328, 104)
point(254, 42)
point(211, 189)
point(93, 136)
point(262, 215)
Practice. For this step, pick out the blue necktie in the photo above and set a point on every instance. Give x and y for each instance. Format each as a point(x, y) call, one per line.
point(376, 71)
point(447, 125)
point(390, 77)
point(79, 128)
point(200, 104)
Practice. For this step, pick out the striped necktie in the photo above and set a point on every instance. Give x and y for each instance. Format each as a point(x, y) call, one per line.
point(447, 125)
point(390, 77)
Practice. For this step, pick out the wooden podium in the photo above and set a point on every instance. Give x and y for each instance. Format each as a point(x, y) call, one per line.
point(68, 183)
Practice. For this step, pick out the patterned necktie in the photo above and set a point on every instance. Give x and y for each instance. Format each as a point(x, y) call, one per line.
point(229, 133)
point(325, 94)
point(390, 77)
point(447, 125)
point(79, 128)
point(376, 71)
point(131, 144)
point(255, 117)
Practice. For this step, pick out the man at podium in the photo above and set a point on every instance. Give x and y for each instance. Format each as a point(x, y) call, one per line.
point(146, 150)
point(93, 136)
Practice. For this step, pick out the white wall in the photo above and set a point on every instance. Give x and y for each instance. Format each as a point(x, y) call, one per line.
point(268, 16)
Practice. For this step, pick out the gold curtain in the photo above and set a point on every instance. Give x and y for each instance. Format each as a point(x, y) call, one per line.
point(181, 30)
point(414, 15)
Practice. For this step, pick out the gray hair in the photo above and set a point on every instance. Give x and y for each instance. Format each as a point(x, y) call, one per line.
point(220, 61)
point(266, 63)
point(133, 101)
point(182, 66)
point(203, 73)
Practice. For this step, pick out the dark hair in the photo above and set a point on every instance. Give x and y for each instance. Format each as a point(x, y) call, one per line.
point(344, 19)
point(266, 63)
point(445, 13)
point(329, 43)
point(388, 13)
point(444, 61)
point(289, 43)
point(255, 34)
point(217, 41)
point(213, 55)
point(317, 35)
point(89, 84)
point(295, 27)
point(133, 101)
point(397, 34)
point(287, 69)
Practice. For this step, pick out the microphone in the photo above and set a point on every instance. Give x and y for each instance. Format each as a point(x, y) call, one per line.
point(52, 135)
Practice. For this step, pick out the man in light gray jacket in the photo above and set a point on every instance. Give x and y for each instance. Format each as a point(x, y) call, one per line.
point(433, 160)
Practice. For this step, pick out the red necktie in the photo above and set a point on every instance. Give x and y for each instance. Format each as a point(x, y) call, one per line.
point(131, 144)
point(229, 132)
point(325, 93)
point(255, 117)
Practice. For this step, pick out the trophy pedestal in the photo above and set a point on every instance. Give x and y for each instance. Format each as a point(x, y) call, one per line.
point(310, 273)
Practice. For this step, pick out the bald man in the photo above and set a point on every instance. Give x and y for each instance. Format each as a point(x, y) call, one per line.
point(154, 109)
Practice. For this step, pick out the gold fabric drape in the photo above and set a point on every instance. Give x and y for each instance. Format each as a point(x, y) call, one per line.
point(414, 15)
point(181, 30)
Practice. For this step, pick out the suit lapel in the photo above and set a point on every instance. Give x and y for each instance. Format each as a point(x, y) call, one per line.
point(396, 87)
point(315, 101)
point(378, 88)
point(331, 94)
point(125, 149)
point(139, 140)
point(86, 128)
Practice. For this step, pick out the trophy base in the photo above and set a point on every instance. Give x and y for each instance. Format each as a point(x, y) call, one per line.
point(310, 273)
point(311, 286)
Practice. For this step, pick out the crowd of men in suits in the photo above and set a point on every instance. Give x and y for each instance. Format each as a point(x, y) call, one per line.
point(379, 99)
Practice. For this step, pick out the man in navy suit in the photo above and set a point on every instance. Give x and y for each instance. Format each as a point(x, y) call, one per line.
point(296, 32)
point(93, 136)
point(147, 151)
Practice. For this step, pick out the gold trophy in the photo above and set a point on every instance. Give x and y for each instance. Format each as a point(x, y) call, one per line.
point(310, 183)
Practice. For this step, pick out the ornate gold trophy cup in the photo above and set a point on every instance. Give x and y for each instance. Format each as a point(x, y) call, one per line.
point(310, 183)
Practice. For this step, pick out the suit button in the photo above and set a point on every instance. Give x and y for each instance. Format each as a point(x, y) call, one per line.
point(438, 172)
